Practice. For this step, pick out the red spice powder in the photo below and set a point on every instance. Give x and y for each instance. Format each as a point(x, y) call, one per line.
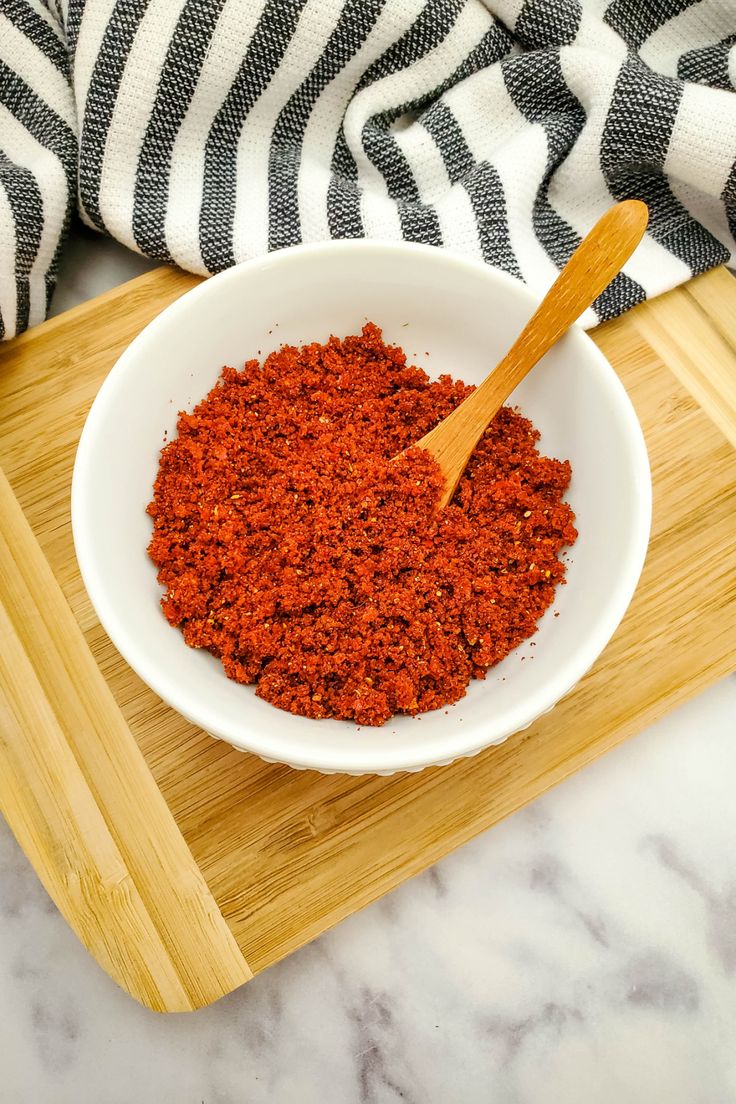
point(293, 548)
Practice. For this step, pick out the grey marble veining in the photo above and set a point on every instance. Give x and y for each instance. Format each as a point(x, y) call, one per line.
point(92, 263)
point(582, 951)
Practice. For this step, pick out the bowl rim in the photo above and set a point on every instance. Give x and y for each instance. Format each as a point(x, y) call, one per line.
point(356, 758)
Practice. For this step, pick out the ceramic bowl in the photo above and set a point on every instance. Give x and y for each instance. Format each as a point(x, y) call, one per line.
point(464, 315)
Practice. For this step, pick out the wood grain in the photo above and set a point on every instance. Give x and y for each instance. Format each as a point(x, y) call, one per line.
point(84, 806)
point(285, 853)
point(704, 311)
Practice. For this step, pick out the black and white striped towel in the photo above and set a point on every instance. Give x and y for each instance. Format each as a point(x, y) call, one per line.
point(204, 132)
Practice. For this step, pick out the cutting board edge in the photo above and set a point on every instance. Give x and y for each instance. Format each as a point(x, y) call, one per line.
point(565, 770)
point(57, 794)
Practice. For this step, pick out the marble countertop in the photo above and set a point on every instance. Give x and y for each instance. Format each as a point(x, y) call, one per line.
point(582, 951)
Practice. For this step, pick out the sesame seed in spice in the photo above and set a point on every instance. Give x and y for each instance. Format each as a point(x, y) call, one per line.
point(296, 550)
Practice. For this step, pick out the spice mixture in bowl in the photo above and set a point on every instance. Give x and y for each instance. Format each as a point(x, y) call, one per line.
point(299, 557)
point(296, 549)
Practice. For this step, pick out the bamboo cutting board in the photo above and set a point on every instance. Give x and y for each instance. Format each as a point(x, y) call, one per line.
point(186, 867)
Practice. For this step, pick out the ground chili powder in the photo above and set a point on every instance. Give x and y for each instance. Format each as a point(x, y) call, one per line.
point(293, 548)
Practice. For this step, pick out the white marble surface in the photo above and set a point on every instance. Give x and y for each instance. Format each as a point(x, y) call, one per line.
point(582, 952)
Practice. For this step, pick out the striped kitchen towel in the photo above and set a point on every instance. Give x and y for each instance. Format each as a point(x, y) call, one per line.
point(204, 132)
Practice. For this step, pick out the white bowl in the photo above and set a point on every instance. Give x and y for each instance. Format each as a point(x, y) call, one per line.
point(464, 315)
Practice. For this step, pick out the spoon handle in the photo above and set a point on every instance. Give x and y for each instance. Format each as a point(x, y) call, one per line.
point(600, 256)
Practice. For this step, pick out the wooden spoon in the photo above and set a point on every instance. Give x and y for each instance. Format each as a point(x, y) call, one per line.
point(600, 256)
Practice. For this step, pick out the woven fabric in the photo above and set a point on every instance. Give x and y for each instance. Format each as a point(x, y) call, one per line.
point(205, 132)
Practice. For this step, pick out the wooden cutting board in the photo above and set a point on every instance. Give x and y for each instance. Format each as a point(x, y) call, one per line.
point(186, 867)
